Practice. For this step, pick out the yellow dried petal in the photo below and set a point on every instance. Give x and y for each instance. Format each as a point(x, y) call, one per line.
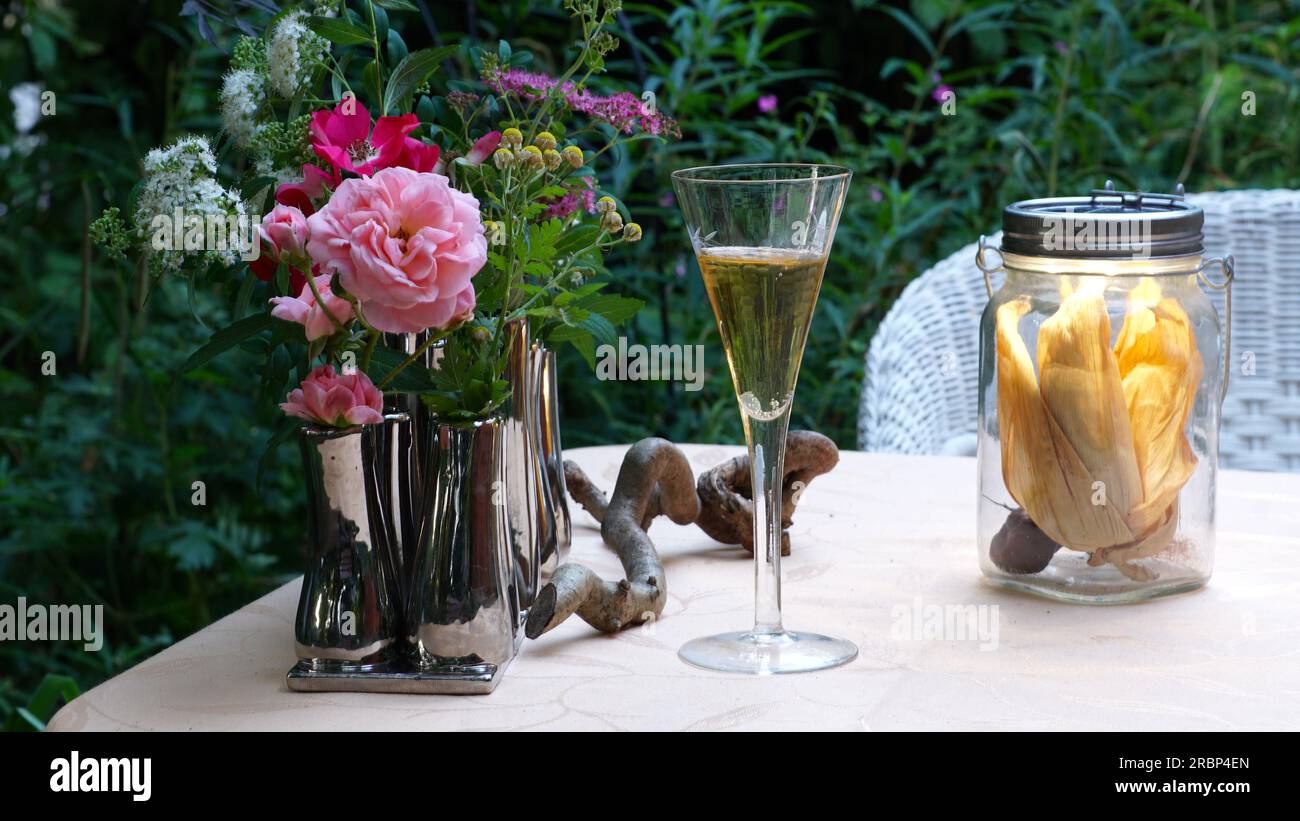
point(1040, 468)
point(1080, 384)
point(1161, 369)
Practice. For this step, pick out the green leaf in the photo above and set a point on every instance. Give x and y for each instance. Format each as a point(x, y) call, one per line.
point(576, 239)
point(397, 5)
point(614, 308)
point(413, 378)
point(414, 69)
point(225, 339)
point(339, 31)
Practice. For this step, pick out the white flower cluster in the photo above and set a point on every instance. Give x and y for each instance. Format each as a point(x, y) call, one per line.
point(292, 53)
point(180, 200)
point(241, 97)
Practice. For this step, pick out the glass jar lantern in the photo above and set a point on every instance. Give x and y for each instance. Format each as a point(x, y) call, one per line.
point(1102, 372)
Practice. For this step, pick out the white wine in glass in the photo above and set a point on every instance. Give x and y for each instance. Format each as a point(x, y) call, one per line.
point(762, 235)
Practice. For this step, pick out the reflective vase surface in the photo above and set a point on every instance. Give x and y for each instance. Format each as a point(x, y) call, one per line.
point(553, 500)
point(348, 617)
point(463, 613)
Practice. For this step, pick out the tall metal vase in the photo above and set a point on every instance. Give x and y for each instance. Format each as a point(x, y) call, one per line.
point(348, 616)
point(411, 466)
point(537, 511)
point(553, 494)
point(462, 617)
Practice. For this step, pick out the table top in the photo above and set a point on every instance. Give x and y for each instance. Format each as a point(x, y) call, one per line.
point(876, 540)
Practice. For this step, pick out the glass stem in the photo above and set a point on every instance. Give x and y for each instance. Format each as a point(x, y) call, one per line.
point(766, 440)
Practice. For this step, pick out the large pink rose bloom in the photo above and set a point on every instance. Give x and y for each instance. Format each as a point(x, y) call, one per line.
point(405, 244)
point(304, 309)
point(328, 398)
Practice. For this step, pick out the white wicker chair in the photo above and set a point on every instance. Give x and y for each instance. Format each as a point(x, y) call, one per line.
point(920, 391)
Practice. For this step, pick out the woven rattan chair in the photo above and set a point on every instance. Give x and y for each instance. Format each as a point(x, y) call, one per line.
point(920, 391)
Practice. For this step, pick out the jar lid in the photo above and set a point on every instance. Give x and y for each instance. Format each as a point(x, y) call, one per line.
point(1107, 224)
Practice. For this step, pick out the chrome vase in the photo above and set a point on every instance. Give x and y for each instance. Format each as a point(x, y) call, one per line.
point(526, 527)
point(553, 507)
point(462, 616)
point(410, 466)
point(349, 618)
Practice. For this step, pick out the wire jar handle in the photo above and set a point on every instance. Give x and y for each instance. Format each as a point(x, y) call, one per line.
point(984, 248)
point(1229, 267)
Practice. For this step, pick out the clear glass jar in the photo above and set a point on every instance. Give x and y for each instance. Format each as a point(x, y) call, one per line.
point(1100, 387)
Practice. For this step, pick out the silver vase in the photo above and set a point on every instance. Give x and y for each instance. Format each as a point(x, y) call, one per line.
point(553, 507)
point(463, 621)
point(348, 616)
point(526, 521)
point(411, 467)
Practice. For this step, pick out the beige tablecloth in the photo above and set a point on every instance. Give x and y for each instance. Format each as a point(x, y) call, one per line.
point(875, 543)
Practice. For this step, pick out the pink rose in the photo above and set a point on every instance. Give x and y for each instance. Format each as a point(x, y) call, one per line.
point(405, 244)
point(284, 234)
point(327, 398)
point(304, 309)
point(346, 142)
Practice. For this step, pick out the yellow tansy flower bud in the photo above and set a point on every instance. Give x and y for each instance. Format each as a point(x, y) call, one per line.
point(545, 141)
point(604, 205)
point(573, 156)
point(632, 232)
point(512, 138)
point(552, 158)
point(503, 158)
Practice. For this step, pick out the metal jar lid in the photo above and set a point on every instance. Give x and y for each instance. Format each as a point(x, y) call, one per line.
point(1108, 224)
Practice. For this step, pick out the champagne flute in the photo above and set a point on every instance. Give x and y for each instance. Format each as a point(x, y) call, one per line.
point(762, 234)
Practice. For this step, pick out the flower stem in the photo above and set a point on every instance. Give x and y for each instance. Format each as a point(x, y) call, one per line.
point(428, 343)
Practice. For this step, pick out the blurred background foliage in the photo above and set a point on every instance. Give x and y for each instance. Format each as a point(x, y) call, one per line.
point(99, 458)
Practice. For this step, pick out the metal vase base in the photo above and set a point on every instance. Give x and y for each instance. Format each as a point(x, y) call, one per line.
point(399, 677)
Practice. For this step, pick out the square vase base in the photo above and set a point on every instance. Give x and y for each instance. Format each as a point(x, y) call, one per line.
point(398, 677)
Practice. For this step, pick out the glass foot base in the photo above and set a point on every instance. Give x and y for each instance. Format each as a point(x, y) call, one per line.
point(765, 654)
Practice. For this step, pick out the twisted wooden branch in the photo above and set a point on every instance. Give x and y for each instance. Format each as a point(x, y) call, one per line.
point(726, 496)
point(655, 478)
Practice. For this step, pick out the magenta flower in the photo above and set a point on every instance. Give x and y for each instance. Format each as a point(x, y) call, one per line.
point(940, 92)
point(304, 310)
point(416, 155)
point(624, 110)
point(346, 141)
point(767, 103)
point(326, 398)
point(316, 183)
point(483, 148)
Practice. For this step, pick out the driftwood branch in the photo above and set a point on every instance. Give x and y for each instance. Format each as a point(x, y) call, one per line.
point(726, 495)
point(655, 479)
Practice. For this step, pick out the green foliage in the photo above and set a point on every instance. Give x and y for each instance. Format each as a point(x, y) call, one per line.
point(98, 459)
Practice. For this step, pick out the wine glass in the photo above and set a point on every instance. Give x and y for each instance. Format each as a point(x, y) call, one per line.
point(762, 234)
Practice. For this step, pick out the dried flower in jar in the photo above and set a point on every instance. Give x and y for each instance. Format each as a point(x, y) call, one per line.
point(1093, 443)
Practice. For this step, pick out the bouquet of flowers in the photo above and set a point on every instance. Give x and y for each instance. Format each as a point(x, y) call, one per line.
point(392, 210)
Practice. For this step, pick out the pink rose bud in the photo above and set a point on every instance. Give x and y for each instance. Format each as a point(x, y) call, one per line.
point(327, 398)
point(304, 309)
point(284, 234)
